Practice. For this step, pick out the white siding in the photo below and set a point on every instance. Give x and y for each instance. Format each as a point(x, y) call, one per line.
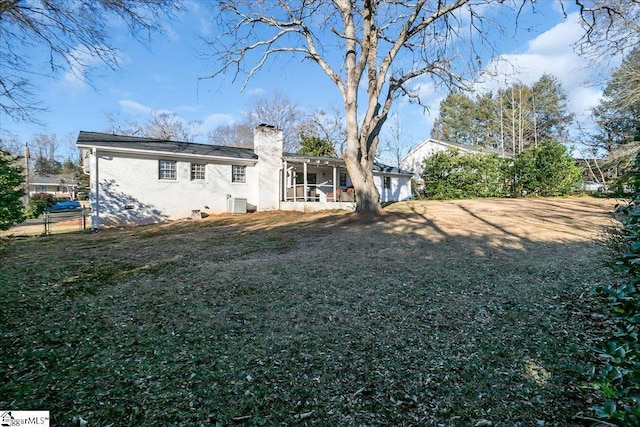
point(131, 192)
point(400, 188)
point(414, 160)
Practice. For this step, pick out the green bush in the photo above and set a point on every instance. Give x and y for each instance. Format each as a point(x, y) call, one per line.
point(617, 376)
point(545, 170)
point(38, 203)
point(451, 174)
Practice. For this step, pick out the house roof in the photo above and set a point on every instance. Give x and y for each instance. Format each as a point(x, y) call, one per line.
point(336, 161)
point(160, 146)
point(153, 145)
point(52, 180)
point(463, 147)
point(379, 167)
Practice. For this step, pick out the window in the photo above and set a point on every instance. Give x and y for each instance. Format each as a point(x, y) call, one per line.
point(387, 182)
point(238, 173)
point(197, 171)
point(312, 178)
point(167, 169)
point(343, 179)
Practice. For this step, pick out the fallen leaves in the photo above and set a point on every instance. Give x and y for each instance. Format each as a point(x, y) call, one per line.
point(282, 319)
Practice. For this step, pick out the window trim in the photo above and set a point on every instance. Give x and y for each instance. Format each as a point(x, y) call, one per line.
point(343, 182)
point(386, 182)
point(163, 170)
point(237, 172)
point(198, 171)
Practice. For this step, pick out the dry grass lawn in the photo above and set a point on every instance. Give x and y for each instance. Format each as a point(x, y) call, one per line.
point(451, 313)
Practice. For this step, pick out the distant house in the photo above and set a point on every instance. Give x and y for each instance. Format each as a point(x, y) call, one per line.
point(414, 160)
point(60, 186)
point(141, 180)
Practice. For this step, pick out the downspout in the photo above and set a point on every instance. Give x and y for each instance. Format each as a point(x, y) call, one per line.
point(95, 199)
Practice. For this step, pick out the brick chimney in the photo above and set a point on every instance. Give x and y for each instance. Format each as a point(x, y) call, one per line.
point(267, 144)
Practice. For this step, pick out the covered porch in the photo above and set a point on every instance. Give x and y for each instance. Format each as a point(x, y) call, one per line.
point(321, 181)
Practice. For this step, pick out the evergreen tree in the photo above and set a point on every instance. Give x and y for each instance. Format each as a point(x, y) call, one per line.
point(618, 114)
point(10, 191)
point(550, 110)
point(315, 146)
point(486, 125)
point(515, 118)
point(455, 123)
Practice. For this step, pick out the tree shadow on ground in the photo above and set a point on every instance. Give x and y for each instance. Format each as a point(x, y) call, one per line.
point(120, 208)
point(414, 318)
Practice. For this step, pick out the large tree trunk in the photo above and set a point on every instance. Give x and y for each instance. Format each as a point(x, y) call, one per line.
point(359, 156)
point(361, 173)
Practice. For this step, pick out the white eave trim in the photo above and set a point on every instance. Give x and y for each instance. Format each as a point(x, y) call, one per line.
point(234, 160)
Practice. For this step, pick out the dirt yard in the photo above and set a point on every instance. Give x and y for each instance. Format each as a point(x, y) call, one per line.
point(455, 313)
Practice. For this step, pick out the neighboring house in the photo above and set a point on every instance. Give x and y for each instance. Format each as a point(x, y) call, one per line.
point(62, 187)
point(142, 180)
point(414, 160)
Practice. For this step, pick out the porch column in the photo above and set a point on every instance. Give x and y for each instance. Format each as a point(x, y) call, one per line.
point(335, 187)
point(285, 182)
point(304, 169)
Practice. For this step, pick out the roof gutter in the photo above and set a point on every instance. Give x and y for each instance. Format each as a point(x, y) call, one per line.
point(165, 153)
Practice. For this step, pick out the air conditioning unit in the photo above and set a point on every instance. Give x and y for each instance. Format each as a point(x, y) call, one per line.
point(236, 205)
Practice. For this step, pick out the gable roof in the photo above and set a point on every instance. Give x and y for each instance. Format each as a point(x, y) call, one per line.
point(52, 180)
point(463, 147)
point(389, 170)
point(160, 146)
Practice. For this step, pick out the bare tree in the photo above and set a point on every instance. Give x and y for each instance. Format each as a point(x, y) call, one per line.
point(234, 135)
point(122, 126)
point(383, 46)
point(160, 125)
point(612, 27)
point(44, 153)
point(395, 143)
point(9, 143)
point(74, 34)
point(278, 110)
point(274, 109)
point(329, 126)
point(169, 126)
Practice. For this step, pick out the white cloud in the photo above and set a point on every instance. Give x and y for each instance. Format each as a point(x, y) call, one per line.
point(424, 89)
point(549, 53)
point(159, 78)
point(256, 92)
point(130, 106)
point(80, 60)
point(217, 119)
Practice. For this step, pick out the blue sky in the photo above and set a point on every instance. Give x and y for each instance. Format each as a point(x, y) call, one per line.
point(164, 76)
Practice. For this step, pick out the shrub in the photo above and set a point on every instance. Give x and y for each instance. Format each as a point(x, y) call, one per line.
point(617, 376)
point(545, 170)
point(451, 174)
point(38, 203)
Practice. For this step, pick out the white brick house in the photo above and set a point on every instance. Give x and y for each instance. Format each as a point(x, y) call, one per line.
point(143, 180)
